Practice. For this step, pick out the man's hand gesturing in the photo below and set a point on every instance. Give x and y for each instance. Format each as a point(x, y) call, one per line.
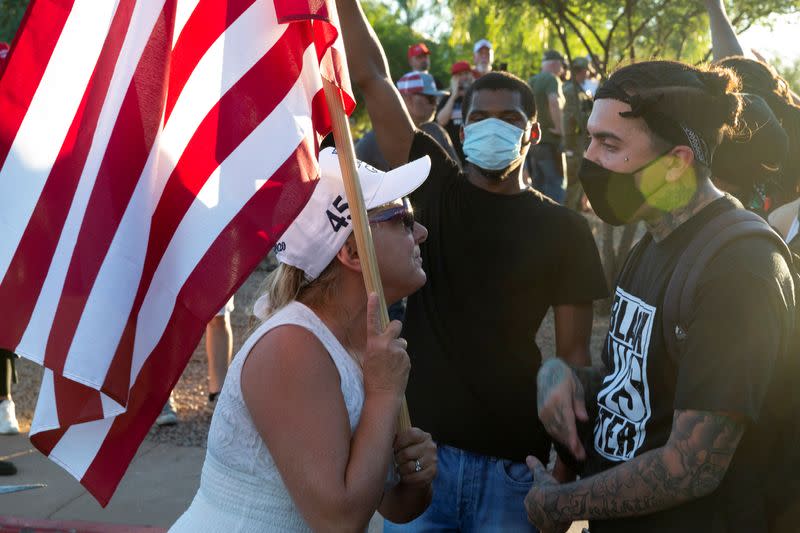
point(560, 401)
point(536, 500)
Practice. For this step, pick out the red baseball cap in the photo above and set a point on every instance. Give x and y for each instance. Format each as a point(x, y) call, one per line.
point(459, 67)
point(418, 49)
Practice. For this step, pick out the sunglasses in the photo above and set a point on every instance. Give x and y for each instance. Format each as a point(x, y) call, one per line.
point(403, 212)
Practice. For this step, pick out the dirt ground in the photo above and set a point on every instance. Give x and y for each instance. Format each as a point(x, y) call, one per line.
point(191, 393)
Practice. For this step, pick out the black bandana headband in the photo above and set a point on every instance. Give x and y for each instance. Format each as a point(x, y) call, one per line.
point(663, 125)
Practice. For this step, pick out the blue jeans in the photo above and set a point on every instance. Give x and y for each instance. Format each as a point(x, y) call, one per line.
point(474, 492)
point(547, 170)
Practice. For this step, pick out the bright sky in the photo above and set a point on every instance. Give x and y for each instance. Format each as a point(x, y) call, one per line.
point(781, 40)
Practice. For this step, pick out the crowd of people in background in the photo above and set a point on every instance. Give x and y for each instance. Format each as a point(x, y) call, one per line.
point(563, 91)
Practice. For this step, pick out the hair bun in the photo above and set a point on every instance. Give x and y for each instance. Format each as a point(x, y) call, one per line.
point(722, 85)
point(731, 109)
point(719, 81)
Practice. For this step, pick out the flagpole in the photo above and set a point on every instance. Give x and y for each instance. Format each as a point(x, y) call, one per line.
point(358, 212)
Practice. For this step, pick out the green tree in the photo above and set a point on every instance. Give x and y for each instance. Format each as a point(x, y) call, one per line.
point(396, 36)
point(11, 12)
point(518, 33)
point(393, 26)
point(790, 70)
point(412, 11)
point(610, 31)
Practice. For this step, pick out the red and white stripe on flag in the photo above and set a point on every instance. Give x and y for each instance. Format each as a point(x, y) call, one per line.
point(411, 83)
point(152, 152)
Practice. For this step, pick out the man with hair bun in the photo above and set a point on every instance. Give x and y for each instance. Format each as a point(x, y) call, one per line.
point(678, 429)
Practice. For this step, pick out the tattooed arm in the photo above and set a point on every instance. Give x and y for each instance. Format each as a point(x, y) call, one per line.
point(690, 465)
point(560, 396)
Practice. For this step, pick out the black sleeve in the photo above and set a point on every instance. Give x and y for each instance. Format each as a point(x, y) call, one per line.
point(739, 326)
point(441, 136)
point(579, 275)
point(443, 169)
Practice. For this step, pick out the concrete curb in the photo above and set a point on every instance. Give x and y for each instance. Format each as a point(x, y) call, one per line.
point(33, 525)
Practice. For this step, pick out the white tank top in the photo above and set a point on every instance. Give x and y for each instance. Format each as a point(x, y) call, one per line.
point(240, 487)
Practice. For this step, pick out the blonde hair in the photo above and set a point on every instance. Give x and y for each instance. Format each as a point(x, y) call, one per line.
point(287, 284)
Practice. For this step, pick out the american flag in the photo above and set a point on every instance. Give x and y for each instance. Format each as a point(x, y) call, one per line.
point(152, 152)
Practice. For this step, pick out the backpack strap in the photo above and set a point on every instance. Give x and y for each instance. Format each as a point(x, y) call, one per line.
point(723, 229)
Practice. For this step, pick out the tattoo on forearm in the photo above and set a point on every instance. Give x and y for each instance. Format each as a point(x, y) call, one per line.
point(553, 372)
point(690, 466)
point(704, 444)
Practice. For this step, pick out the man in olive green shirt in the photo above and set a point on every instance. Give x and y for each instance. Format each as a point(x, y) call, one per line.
point(546, 158)
point(577, 108)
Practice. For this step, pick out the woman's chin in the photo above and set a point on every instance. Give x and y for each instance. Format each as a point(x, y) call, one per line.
point(422, 278)
point(396, 294)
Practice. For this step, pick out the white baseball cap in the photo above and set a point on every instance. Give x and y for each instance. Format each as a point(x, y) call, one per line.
point(318, 233)
point(483, 43)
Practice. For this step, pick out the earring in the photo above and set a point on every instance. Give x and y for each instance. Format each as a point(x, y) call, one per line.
point(626, 159)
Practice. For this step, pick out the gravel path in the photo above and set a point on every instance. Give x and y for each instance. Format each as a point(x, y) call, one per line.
point(191, 393)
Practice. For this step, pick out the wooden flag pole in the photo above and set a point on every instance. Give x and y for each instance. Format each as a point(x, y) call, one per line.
point(358, 212)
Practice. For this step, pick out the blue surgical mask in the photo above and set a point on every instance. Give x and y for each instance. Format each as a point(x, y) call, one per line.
point(492, 144)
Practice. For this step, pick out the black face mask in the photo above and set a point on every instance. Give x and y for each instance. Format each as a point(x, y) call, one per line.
point(614, 196)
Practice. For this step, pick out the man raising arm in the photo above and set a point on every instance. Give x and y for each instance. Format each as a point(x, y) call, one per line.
point(496, 261)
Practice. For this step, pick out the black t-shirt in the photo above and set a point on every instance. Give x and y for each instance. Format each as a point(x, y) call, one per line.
point(453, 127)
point(495, 264)
point(737, 334)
